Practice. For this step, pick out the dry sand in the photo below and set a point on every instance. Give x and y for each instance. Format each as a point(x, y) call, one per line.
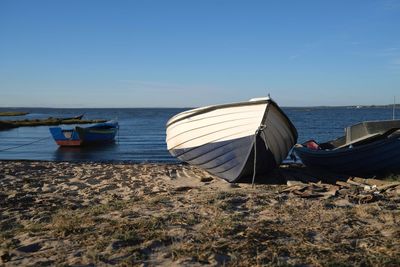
point(177, 215)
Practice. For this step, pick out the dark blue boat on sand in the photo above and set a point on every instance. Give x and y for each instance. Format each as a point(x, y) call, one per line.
point(367, 149)
point(98, 133)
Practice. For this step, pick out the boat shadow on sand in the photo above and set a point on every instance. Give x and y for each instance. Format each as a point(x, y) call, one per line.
point(297, 172)
point(84, 153)
point(290, 172)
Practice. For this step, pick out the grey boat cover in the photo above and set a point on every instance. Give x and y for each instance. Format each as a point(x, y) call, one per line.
point(369, 129)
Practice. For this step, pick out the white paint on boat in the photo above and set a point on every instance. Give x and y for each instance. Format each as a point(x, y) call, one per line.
point(217, 125)
point(220, 138)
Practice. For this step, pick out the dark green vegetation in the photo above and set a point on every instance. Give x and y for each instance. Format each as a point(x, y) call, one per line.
point(8, 124)
point(13, 113)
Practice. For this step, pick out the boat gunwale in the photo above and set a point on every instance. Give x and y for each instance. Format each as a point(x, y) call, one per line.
point(200, 111)
point(345, 150)
point(328, 159)
point(373, 121)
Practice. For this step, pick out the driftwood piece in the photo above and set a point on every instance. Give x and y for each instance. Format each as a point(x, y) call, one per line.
point(350, 181)
point(313, 190)
point(370, 181)
point(343, 184)
point(388, 186)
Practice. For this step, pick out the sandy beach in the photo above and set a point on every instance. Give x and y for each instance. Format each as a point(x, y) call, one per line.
point(59, 213)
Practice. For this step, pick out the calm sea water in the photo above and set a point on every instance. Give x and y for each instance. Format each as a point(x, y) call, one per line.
point(142, 132)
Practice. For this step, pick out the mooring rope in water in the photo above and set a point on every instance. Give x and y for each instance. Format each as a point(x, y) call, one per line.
point(27, 144)
point(259, 129)
point(117, 134)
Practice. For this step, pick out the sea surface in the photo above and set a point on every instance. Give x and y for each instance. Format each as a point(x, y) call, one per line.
point(142, 132)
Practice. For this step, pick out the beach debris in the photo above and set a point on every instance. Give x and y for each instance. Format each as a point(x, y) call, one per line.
point(30, 248)
point(313, 190)
point(5, 256)
point(355, 190)
point(377, 186)
point(233, 185)
point(343, 202)
point(206, 179)
point(388, 187)
point(172, 174)
point(294, 182)
point(183, 188)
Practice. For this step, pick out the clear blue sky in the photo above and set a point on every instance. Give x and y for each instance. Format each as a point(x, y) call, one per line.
point(197, 52)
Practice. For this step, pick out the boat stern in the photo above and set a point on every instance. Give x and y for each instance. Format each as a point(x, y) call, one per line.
point(65, 137)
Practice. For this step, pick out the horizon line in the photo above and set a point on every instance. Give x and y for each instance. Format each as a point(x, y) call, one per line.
point(318, 106)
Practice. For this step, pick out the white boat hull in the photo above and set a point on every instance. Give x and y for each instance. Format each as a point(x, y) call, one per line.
point(220, 139)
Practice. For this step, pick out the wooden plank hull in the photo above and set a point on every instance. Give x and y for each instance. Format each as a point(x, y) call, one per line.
point(379, 157)
point(220, 139)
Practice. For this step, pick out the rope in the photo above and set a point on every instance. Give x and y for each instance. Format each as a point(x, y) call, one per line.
point(118, 134)
point(116, 119)
point(260, 128)
point(30, 143)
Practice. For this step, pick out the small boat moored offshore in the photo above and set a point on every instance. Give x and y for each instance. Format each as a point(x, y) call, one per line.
point(367, 148)
point(228, 140)
point(98, 133)
point(79, 117)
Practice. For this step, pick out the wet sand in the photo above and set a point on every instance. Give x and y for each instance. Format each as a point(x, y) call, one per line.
point(177, 215)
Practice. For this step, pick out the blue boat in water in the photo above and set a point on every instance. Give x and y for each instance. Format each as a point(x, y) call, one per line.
point(98, 133)
point(367, 149)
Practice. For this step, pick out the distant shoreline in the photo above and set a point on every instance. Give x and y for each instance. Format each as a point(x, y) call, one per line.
point(13, 113)
point(11, 124)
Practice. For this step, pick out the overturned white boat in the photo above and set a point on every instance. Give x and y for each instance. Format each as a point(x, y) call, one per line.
point(222, 138)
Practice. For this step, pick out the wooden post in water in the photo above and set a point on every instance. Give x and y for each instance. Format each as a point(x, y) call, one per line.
point(394, 106)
